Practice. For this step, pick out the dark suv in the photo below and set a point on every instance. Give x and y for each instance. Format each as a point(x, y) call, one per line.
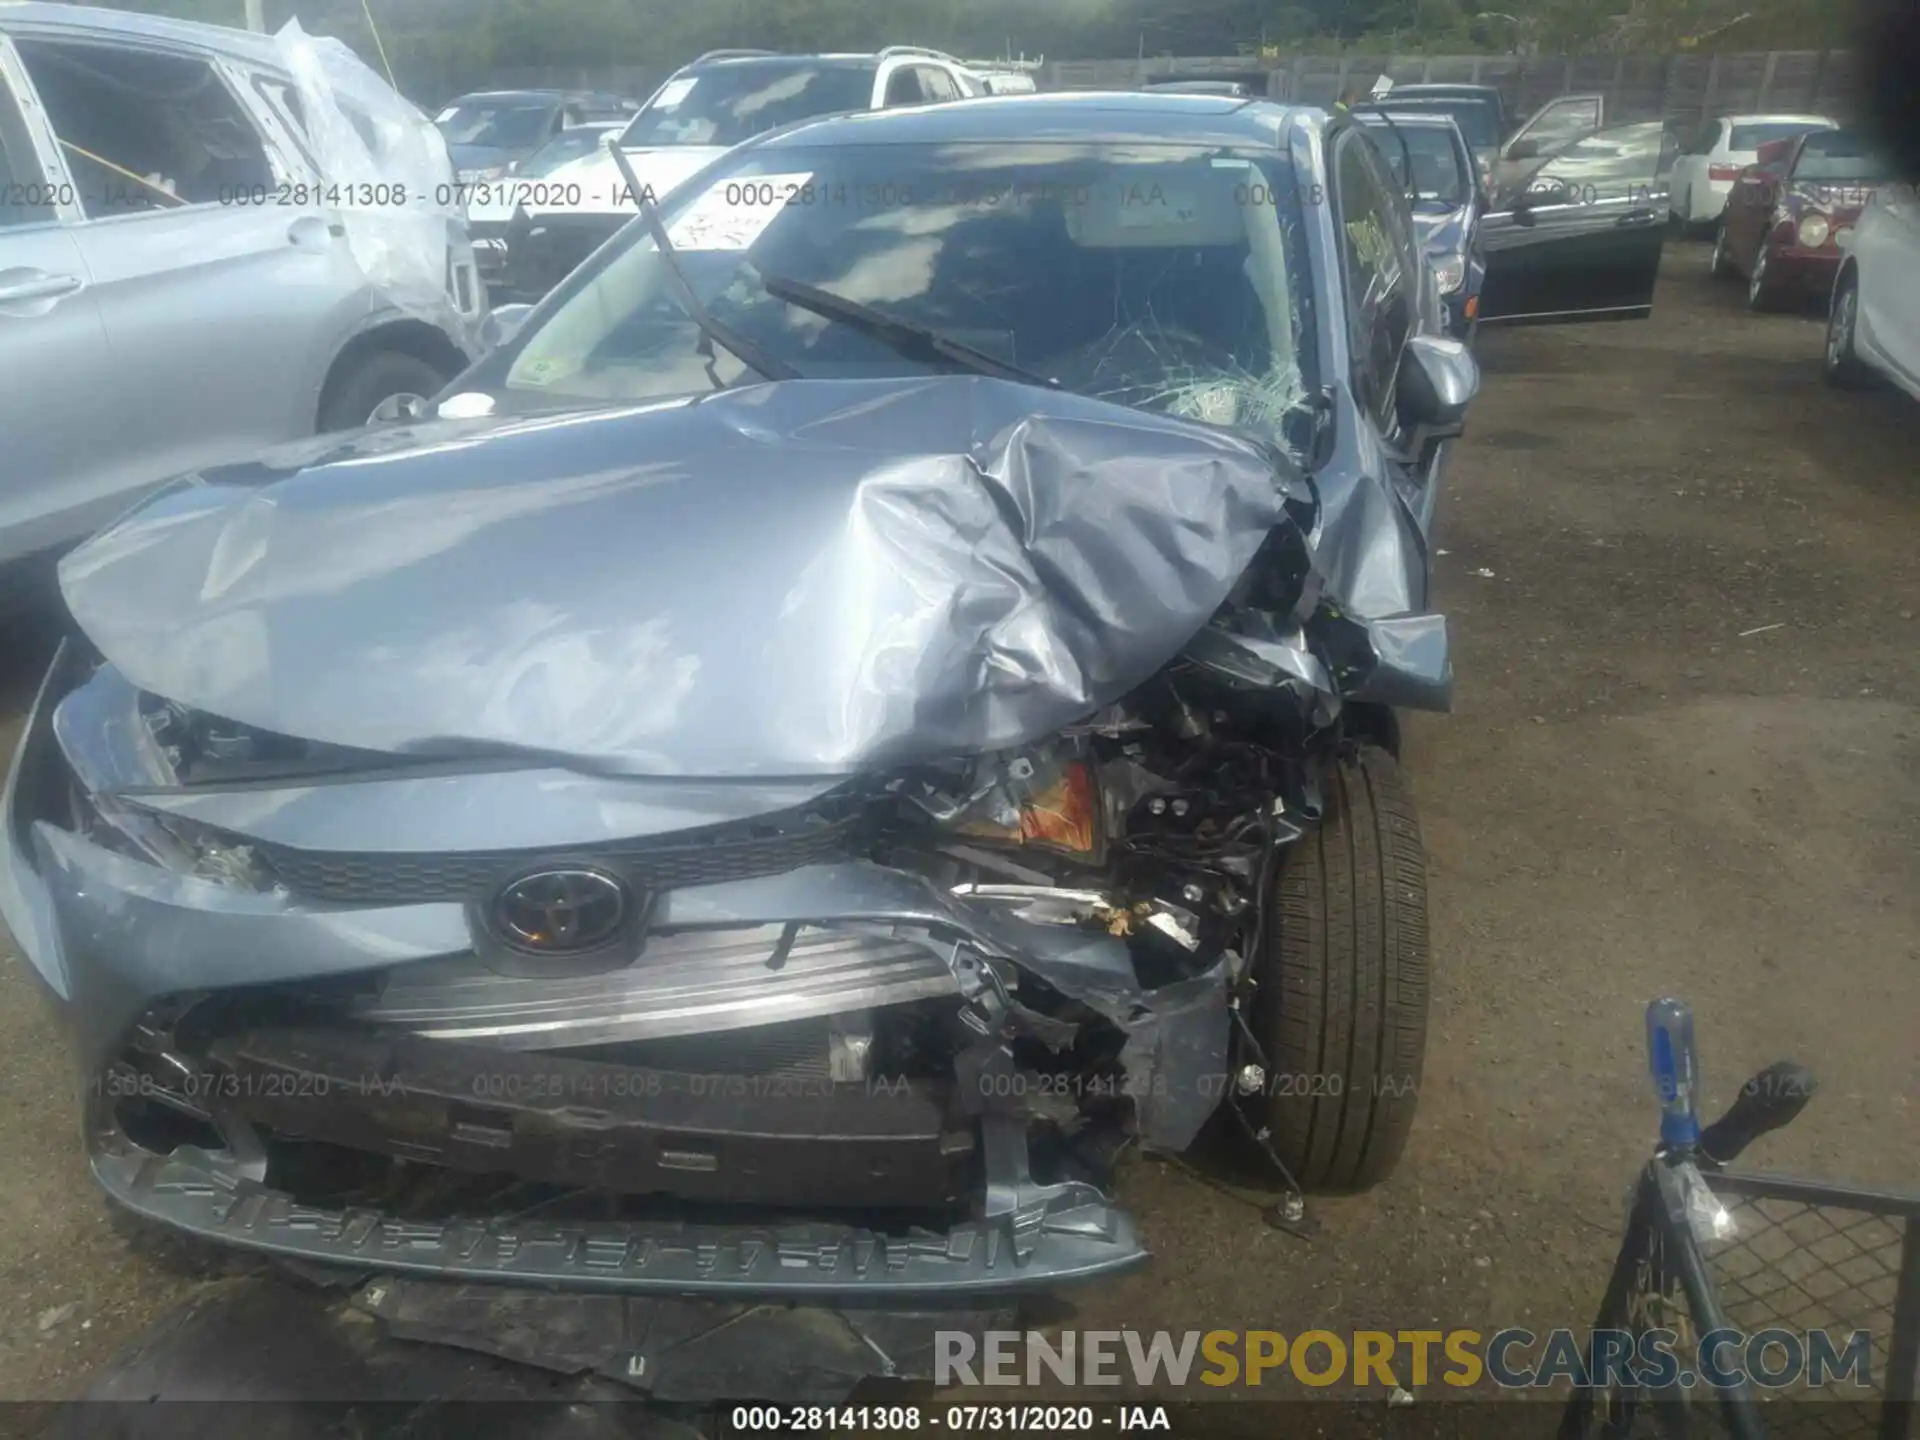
point(489, 131)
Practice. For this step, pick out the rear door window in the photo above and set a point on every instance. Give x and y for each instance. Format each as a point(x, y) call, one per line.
point(938, 84)
point(144, 130)
point(1563, 119)
point(1748, 138)
point(905, 88)
point(25, 196)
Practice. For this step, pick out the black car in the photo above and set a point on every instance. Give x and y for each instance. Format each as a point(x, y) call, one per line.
point(1431, 160)
point(490, 131)
point(1479, 110)
point(876, 698)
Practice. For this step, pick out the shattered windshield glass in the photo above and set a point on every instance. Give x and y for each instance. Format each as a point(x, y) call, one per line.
point(1166, 277)
point(730, 104)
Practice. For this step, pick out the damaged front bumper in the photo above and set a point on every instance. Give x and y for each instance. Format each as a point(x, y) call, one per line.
point(442, 1059)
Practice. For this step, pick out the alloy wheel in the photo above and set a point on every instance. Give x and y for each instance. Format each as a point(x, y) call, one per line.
point(1840, 329)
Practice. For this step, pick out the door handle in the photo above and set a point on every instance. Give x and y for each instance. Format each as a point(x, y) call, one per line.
point(312, 230)
point(1633, 219)
point(38, 285)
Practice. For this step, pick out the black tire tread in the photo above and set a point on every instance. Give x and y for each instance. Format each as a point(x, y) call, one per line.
point(1347, 981)
point(352, 400)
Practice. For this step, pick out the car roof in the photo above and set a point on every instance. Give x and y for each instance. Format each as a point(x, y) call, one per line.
point(1430, 119)
point(40, 17)
point(1129, 116)
point(1438, 88)
point(748, 62)
point(551, 96)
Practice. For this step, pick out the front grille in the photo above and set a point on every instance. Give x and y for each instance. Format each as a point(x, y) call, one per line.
point(769, 846)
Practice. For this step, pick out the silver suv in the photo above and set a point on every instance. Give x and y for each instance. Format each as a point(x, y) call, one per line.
point(704, 109)
point(210, 241)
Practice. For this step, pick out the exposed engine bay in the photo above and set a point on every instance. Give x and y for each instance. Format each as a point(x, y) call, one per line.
point(830, 920)
point(1155, 825)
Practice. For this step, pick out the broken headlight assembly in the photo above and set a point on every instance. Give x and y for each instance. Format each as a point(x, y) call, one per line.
point(183, 846)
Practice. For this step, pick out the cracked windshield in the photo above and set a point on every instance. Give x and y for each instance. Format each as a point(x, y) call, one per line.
point(1168, 278)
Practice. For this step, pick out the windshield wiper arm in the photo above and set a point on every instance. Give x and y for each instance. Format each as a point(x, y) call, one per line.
point(749, 354)
point(915, 342)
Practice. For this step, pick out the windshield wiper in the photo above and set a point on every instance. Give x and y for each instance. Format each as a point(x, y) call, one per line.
point(914, 342)
point(749, 354)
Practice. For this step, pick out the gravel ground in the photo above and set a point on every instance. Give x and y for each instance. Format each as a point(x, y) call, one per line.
point(1683, 759)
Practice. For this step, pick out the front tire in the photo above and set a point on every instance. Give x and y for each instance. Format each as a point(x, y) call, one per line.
point(1762, 294)
point(1841, 366)
point(375, 379)
point(1341, 1005)
point(1721, 265)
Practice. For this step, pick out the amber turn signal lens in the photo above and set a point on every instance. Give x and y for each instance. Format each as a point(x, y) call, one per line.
point(1062, 815)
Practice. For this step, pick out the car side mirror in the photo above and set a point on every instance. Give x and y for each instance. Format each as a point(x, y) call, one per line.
point(1524, 150)
point(1438, 380)
point(504, 323)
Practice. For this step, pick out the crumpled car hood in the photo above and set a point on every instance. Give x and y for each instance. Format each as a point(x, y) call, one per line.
point(810, 577)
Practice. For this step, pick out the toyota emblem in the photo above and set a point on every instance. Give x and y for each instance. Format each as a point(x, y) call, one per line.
point(561, 911)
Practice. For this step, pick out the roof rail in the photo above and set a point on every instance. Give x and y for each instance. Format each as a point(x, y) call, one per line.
point(921, 51)
point(728, 55)
point(1023, 65)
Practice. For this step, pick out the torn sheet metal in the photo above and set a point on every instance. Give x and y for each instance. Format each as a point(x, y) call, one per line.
point(384, 172)
point(1177, 1034)
point(814, 577)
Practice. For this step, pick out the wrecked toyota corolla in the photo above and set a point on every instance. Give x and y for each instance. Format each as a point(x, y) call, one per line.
point(841, 725)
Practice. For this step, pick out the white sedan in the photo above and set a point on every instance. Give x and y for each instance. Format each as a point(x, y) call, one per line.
point(1873, 327)
point(1717, 152)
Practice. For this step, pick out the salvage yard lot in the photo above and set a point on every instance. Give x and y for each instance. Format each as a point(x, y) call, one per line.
point(1632, 797)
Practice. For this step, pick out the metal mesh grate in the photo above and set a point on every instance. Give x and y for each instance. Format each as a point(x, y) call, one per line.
point(1795, 1263)
point(1797, 1266)
point(740, 852)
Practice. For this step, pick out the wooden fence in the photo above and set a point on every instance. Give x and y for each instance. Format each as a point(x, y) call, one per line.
point(1680, 87)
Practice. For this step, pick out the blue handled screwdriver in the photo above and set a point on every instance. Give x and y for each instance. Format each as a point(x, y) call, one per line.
point(1676, 1072)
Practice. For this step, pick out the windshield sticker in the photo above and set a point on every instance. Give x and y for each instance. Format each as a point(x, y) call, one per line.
point(1149, 205)
point(732, 214)
point(674, 91)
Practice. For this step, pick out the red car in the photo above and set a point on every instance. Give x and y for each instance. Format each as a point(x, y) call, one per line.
point(1786, 219)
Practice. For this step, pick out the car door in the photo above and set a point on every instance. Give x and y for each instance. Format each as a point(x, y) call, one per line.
point(1551, 126)
point(58, 447)
point(1581, 239)
point(219, 279)
point(1389, 298)
point(1888, 257)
